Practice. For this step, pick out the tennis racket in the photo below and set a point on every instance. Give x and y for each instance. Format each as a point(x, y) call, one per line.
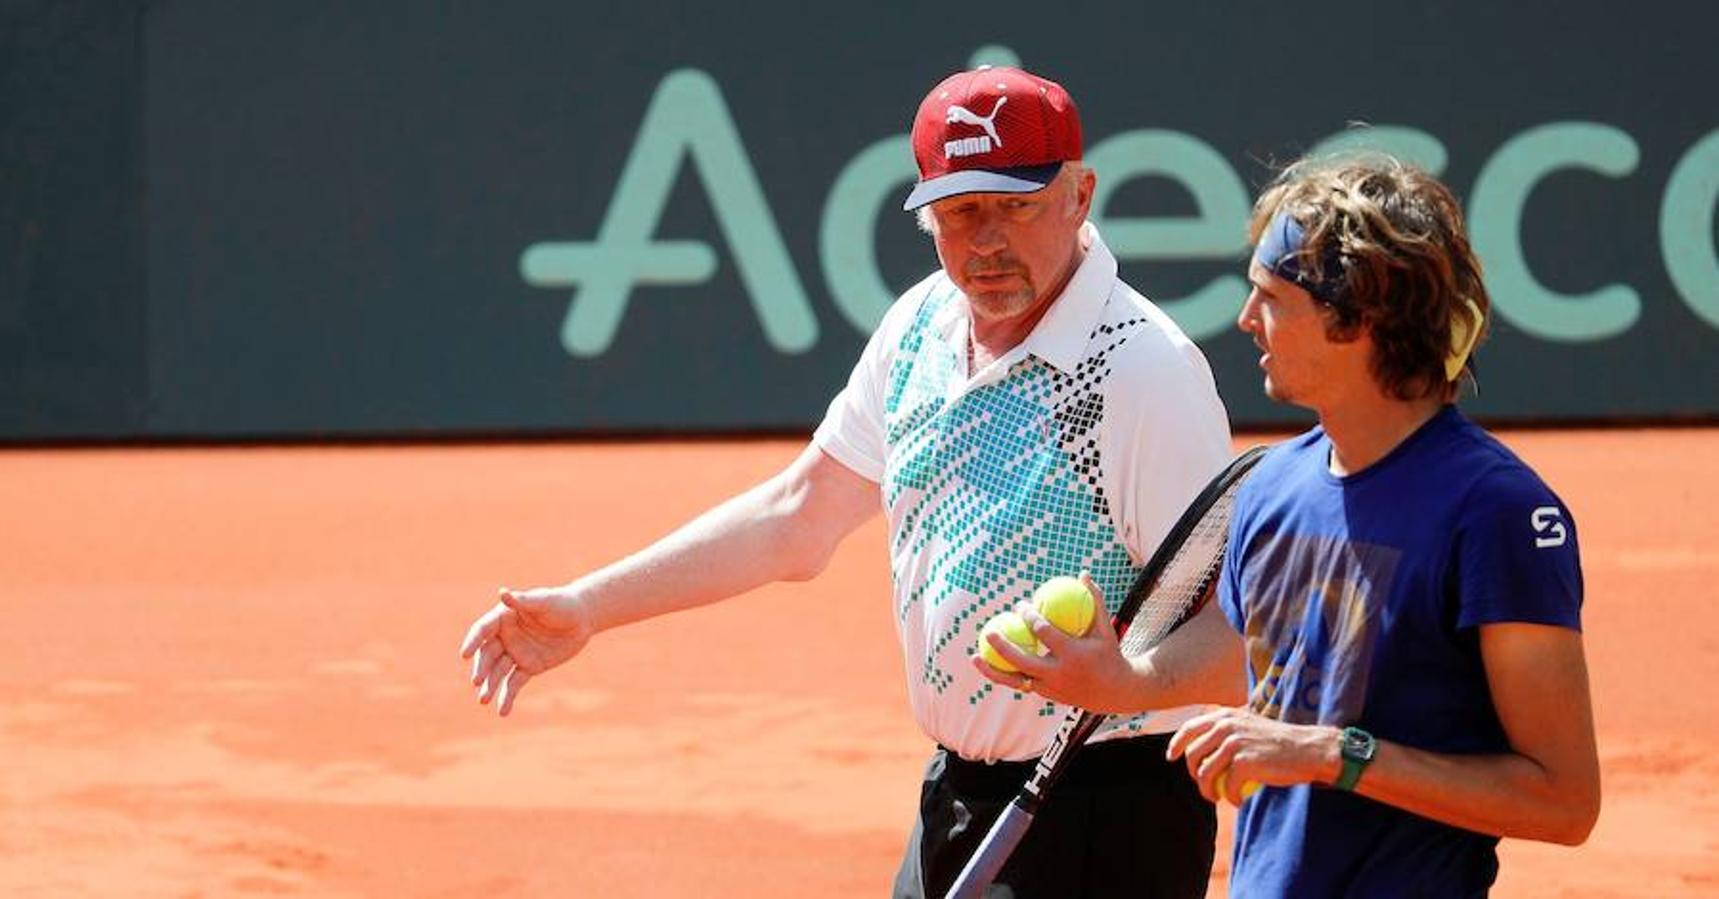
point(1173, 586)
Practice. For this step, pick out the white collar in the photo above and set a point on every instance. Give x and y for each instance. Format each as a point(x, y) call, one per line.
point(1060, 337)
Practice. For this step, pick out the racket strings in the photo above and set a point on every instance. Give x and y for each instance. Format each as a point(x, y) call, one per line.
point(1185, 579)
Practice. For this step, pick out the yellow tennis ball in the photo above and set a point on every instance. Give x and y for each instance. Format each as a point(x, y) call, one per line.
point(1015, 630)
point(1066, 603)
point(1248, 789)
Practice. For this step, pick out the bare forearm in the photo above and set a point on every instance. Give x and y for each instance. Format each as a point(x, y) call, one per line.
point(1546, 787)
point(1502, 794)
point(1549, 786)
point(744, 543)
point(1505, 795)
point(784, 529)
point(1200, 663)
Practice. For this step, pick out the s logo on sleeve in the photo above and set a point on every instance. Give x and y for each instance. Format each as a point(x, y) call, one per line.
point(1547, 522)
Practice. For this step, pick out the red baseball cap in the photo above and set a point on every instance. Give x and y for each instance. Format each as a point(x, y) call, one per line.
point(993, 129)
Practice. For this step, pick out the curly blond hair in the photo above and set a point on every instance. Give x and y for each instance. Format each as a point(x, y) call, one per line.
point(1398, 236)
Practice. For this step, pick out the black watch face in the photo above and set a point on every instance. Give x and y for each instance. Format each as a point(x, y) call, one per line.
point(1358, 745)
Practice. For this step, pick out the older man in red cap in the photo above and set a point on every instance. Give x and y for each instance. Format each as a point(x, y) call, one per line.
point(1019, 414)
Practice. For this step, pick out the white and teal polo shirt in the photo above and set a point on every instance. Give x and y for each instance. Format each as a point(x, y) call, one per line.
point(1076, 450)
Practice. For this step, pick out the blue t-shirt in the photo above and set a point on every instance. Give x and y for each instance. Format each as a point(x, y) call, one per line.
point(1359, 599)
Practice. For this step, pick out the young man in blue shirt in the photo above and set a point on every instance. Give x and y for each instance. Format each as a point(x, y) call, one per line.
point(1407, 590)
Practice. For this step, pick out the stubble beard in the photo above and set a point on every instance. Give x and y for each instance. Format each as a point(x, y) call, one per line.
point(1001, 304)
point(998, 304)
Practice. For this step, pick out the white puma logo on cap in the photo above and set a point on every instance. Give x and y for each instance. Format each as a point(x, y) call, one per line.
point(969, 146)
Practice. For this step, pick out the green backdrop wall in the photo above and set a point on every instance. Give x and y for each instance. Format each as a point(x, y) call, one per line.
point(269, 220)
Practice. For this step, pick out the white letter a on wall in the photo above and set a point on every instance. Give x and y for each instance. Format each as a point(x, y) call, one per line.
point(687, 118)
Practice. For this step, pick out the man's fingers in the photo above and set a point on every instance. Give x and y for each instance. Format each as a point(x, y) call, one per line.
point(481, 630)
point(481, 661)
point(492, 680)
point(516, 681)
point(1010, 679)
point(1178, 740)
point(1049, 634)
point(1190, 730)
point(1101, 624)
point(495, 674)
point(484, 661)
point(1097, 595)
point(1202, 745)
point(1030, 664)
point(1218, 761)
point(492, 683)
point(984, 668)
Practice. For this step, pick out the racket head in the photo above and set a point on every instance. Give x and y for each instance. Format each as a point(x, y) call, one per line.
point(1176, 582)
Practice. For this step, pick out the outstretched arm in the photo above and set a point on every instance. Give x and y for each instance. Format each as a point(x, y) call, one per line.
point(786, 528)
point(1547, 787)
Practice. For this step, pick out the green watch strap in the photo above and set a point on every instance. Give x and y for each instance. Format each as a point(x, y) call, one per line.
point(1357, 747)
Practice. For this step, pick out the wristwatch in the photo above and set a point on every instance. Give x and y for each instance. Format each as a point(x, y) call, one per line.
point(1357, 748)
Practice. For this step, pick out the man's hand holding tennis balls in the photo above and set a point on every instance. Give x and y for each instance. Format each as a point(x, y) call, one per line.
point(1085, 669)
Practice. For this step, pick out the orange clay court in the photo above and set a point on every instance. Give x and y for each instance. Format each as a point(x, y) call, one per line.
point(233, 672)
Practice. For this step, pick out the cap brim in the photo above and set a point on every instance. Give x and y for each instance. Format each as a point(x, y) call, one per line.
point(1023, 180)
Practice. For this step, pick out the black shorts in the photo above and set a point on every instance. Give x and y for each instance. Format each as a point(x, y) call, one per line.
point(1121, 822)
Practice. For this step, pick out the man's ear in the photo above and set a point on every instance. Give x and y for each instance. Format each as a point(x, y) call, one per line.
point(1084, 188)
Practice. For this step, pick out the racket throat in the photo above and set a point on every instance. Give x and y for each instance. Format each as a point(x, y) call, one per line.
point(1051, 762)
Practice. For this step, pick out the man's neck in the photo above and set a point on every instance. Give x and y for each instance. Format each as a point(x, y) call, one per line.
point(1366, 429)
point(989, 340)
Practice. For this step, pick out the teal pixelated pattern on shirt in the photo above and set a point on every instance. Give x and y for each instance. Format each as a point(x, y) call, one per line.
point(1002, 485)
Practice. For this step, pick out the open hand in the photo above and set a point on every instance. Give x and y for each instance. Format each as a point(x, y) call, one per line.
point(525, 634)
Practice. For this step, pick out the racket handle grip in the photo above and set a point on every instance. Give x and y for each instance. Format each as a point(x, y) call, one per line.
point(992, 853)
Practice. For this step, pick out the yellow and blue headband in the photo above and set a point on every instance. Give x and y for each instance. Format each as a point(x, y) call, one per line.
point(1279, 251)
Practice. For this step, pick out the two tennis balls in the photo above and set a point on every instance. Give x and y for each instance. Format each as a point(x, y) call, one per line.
point(1063, 601)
